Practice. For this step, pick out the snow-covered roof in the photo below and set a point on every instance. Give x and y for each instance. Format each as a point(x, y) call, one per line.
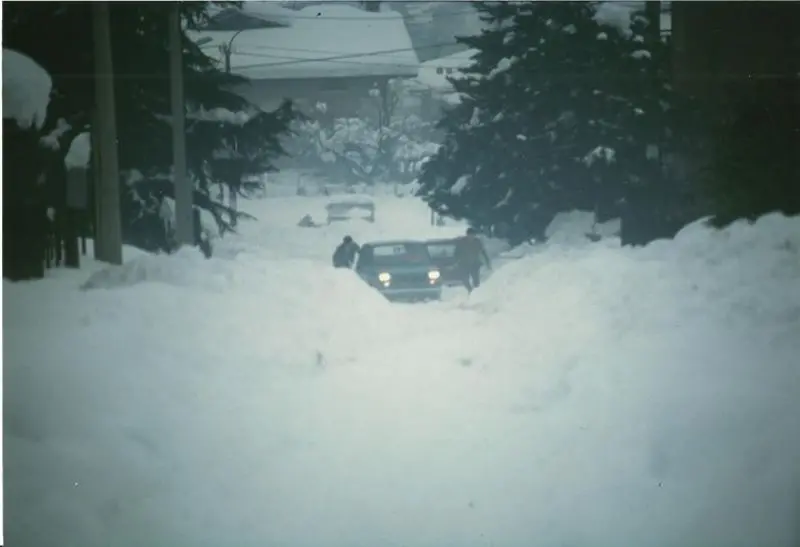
point(26, 89)
point(268, 11)
point(433, 74)
point(330, 41)
point(462, 59)
point(618, 14)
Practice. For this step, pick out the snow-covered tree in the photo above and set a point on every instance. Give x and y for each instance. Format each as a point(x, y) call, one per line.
point(355, 151)
point(139, 47)
point(382, 147)
point(653, 205)
point(557, 113)
point(752, 166)
point(233, 150)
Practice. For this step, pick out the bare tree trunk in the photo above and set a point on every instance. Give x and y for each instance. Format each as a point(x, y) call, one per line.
point(233, 202)
point(652, 10)
point(108, 232)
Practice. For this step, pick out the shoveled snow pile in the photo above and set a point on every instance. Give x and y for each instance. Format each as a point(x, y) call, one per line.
point(26, 89)
point(349, 306)
point(573, 228)
point(591, 395)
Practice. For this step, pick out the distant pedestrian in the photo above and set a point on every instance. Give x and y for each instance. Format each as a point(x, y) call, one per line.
point(345, 254)
point(469, 254)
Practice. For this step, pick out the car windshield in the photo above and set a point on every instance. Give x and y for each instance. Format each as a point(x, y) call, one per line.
point(397, 254)
point(445, 249)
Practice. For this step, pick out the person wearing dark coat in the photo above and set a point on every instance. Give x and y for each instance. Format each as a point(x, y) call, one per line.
point(345, 254)
point(470, 252)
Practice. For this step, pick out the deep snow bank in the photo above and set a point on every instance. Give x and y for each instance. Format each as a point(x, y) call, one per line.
point(585, 396)
point(306, 300)
point(154, 370)
point(684, 376)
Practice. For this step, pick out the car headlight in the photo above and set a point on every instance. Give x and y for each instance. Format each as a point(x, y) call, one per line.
point(433, 275)
point(384, 277)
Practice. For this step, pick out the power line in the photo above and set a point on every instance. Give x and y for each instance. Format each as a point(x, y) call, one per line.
point(337, 57)
point(279, 48)
point(339, 61)
point(326, 51)
point(297, 60)
point(367, 18)
point(704, 77)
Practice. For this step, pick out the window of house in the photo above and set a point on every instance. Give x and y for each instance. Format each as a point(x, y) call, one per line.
point(439, 70)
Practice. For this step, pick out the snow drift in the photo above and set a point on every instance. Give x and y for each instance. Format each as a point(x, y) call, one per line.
point(586, 396)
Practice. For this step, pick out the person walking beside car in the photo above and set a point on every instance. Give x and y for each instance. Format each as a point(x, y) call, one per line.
point(469, 254)
point(345, 254)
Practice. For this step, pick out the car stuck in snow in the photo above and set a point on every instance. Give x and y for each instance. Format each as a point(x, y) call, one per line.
point(443, 255)
point(400, 270)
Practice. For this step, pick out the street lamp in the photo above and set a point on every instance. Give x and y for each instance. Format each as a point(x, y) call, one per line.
point(226, 50)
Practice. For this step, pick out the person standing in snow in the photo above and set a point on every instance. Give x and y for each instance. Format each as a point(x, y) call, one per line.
point(345, 254)
point(469, 254)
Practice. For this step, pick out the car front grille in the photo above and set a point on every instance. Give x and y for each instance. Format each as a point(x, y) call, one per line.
point(403, 281)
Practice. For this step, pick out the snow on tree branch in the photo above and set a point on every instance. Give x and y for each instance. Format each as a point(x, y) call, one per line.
point(222, 115)
point(600, 153)
point(615, 14)
point(80, 151)
point(26, 90)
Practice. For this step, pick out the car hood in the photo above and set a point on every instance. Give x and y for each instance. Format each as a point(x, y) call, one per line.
point(444, 260)
point(402, 269)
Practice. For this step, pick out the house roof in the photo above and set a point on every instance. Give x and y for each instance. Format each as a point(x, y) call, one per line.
point(331, 41)
point(461, 59)
point(234, 19)
point(429, 78)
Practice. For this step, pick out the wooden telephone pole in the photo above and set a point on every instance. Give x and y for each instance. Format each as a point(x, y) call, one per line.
point(184, 189)
point(652, 10)
point(108, 224)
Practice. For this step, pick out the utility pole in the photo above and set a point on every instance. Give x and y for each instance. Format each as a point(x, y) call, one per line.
point(184, 191)
point(227, 50)
point(652, 10)
point(108, 225)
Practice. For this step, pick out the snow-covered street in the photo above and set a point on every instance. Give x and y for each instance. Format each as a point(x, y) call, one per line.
point(585, 395)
